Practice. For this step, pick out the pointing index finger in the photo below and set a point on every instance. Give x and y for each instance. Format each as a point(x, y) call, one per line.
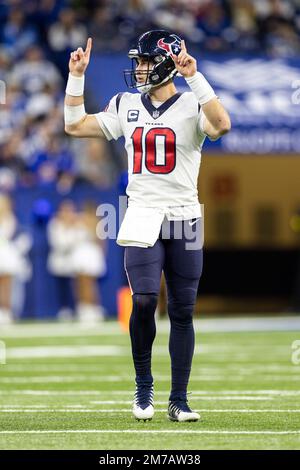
point(88, 47)
point(183, 46)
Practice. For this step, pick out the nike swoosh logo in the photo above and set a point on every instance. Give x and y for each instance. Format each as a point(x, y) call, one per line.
point(193, 223)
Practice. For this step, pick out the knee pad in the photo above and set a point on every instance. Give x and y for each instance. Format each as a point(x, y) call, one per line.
point(144, 305)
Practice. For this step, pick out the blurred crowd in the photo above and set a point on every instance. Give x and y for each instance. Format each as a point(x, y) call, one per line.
point(75, 258)
point(36, 38)
point(34, 150)
point(214, 25)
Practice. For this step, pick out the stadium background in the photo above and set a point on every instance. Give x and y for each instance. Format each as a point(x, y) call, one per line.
point(70, 385)
point(249, 181)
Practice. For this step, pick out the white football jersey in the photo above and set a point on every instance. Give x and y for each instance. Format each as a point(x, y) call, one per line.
point(163, 145)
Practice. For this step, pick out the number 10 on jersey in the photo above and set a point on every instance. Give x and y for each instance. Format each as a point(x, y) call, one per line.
point(150, 150)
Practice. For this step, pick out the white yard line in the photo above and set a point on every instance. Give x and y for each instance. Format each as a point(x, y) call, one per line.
point(63, 379)
point(120, 378)
point(213, 370)
point(203, 398)
point(128, 410)
point(218, 350)
point(144, 431)
point(64, 351)
point(109, 402)
point(53, 330)
point(221, 394)
point(214, 325)
point(194, 397)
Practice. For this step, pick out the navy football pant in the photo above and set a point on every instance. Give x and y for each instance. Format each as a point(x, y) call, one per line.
point(182, 268)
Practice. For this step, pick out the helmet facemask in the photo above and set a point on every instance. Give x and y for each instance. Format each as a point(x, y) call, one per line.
point(155, 74)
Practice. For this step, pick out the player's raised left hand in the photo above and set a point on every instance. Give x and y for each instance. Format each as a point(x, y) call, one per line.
point(185, 64)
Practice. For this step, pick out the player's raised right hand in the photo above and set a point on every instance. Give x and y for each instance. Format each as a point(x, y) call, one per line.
point(79, 59)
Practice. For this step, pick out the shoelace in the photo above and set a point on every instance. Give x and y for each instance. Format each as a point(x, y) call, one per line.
point(143, 396)
point(180, 405)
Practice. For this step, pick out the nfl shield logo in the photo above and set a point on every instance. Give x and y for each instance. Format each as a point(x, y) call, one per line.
point(155, 114)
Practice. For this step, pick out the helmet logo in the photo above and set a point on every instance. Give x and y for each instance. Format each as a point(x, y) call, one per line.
point(170, 47)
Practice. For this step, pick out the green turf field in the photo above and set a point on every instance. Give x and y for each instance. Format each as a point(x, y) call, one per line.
point(68, 387)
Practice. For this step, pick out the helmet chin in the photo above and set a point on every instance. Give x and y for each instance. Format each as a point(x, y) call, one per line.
point(148, 86)
point(144, 88)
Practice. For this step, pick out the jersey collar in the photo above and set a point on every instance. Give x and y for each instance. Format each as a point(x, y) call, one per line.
point(157, 112)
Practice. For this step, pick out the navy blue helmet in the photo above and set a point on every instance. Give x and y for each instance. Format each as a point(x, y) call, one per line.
point(156, 46)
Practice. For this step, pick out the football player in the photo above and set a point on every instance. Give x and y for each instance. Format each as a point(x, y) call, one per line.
point(164, 132)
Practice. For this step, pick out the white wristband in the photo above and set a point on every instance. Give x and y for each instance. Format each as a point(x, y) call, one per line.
point(74, 114)
point(200, 87)
point(75, 85)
